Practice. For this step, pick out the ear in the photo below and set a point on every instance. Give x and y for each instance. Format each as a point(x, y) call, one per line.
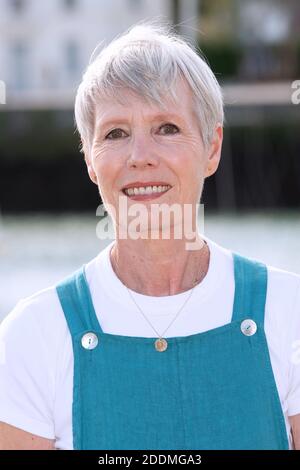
point(214, 152)
point(90, 170)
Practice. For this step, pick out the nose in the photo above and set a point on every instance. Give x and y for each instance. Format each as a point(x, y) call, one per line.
point(142, 153)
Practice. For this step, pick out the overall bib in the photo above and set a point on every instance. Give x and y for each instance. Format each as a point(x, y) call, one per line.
point(210, 390)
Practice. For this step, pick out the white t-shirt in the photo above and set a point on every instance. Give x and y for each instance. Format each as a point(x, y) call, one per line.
point(36, 356)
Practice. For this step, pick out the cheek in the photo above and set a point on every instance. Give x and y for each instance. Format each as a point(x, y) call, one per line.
point(102, 161)
point(107, 170)
point(188, 164)
point(192, 177)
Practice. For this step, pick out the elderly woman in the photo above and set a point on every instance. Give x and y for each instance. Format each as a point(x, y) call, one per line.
point(162, 341)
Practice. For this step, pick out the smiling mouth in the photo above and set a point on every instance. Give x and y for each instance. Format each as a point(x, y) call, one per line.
point(146, 192)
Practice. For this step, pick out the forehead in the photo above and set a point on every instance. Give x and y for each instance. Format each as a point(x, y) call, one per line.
point(126, 103)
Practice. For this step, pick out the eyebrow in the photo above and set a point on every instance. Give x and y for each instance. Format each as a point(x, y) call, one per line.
point(121, 120)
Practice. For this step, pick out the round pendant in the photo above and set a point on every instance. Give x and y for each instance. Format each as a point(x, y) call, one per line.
point(161, 344)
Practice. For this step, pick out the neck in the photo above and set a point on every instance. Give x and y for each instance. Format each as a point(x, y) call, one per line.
point(160, 267)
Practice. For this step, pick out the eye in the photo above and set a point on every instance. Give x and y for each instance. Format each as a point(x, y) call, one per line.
point(114, 134)
point(170, 128)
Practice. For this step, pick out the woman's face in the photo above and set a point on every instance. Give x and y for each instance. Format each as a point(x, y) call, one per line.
point(140, 143)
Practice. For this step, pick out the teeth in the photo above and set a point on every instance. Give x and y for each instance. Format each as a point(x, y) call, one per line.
point(146, 190)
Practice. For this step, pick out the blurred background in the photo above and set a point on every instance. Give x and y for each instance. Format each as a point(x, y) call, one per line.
point(48, 204)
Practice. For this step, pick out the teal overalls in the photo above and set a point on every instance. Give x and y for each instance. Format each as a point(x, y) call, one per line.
point(210, 390)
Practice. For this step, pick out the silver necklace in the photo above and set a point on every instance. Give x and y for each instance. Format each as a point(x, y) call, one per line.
point(161, 343)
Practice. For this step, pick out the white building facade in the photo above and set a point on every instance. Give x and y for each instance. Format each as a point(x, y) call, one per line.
point(45, 45)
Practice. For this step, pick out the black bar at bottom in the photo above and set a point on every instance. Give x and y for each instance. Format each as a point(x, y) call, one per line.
point(134, 459)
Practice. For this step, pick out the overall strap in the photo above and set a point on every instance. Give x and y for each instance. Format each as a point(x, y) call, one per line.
point(76, 302)
point(251, 279)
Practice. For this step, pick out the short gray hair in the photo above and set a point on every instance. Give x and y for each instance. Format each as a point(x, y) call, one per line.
point(147, 59)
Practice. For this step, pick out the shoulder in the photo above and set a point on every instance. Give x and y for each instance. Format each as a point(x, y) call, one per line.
point(283, 281)
point(282, 312)
point(40, 309)
point(282, 308)
point(282, 285)
point(35, 324)
point(33, 345)
point(282, 296)
point(283, 304)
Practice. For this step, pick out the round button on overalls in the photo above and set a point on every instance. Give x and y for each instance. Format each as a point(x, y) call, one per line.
point(89, 341)
point(248, 327)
